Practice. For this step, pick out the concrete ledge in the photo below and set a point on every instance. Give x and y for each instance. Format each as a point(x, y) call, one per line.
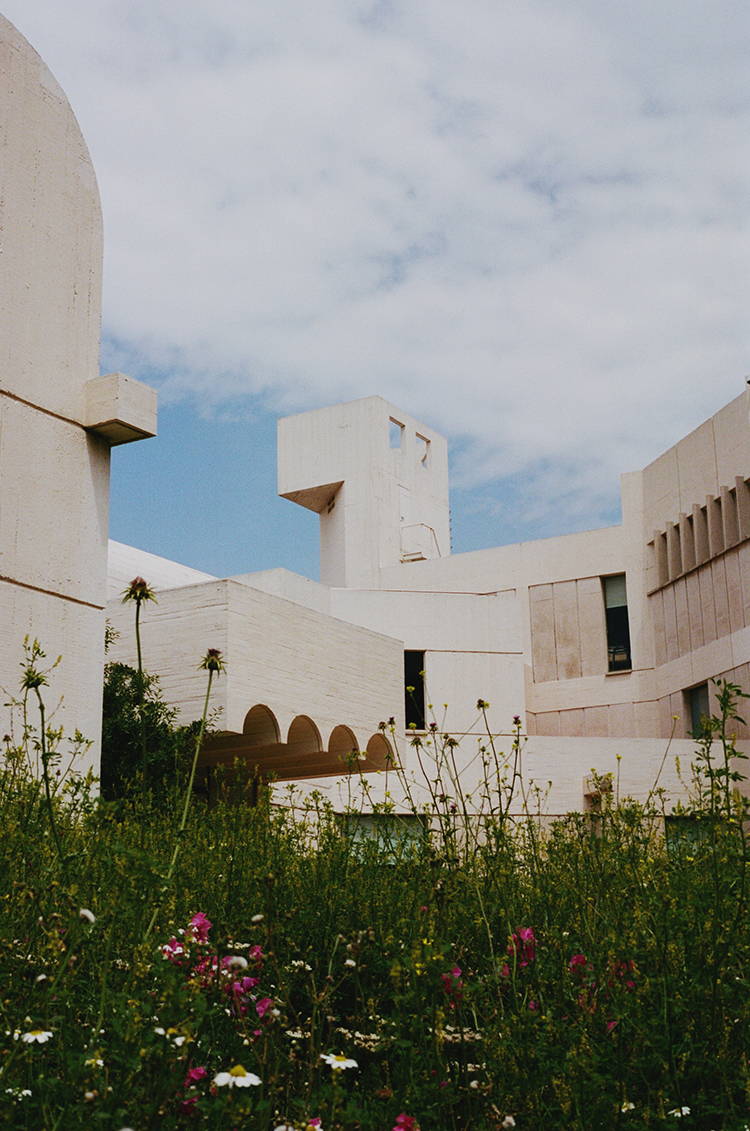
point(120, 409)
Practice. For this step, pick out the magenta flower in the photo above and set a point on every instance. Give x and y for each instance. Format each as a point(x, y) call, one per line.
point(201, 925)
point(173, 951)
point(195, 1075)
point(623, 973)
point(262, 1007)
point(245, 984)
point(522, 945)
point(405, 1122)
point(453, 986)
point(577, 963)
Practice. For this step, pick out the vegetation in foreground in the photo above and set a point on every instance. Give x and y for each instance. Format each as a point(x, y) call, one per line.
point(167, 965)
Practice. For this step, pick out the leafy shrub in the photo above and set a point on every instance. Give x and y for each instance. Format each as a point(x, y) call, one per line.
point(126, 720)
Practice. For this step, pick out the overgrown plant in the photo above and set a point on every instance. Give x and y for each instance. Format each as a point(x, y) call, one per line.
point(139, 592)
point(169, 745)
point(590, 976)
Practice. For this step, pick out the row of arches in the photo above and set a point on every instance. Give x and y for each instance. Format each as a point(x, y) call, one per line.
point(301, 754)
point(261, 726)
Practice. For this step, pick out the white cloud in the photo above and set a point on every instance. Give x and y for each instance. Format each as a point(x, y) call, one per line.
point(526, 223)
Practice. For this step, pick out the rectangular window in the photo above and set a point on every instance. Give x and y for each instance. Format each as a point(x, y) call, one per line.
point(414, 690)
point(395, 434)
point(618, 627)
point(697, 709)
point(390, 834)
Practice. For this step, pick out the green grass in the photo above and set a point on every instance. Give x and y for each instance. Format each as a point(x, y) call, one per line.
point(590, 975)
point(406, 965)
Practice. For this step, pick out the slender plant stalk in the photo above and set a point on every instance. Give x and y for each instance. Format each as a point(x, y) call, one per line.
point(45, 777)
point(139, 591)
point(213, 664)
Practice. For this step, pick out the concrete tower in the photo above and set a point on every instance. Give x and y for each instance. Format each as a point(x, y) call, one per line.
point(58, 417)
point(377, 478)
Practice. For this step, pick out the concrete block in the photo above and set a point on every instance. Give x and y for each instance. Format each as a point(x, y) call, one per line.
point(120, 409)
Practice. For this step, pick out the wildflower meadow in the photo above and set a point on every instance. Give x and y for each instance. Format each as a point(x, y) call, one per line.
point(170, 963)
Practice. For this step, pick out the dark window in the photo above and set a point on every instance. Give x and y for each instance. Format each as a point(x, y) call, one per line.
point(618, 627)
point(414, 689)
point(698, 710)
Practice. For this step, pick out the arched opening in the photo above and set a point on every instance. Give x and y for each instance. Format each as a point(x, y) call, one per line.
point(260, 726)
point(342, 743)
point(380, 751)
point(304, 736)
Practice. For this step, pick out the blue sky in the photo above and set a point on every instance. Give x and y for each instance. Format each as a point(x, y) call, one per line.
point(524, 224)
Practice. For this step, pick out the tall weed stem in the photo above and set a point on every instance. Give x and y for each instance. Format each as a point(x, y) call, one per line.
point(213, 664)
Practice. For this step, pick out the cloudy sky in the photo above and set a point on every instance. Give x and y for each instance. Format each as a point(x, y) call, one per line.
point(525, 223)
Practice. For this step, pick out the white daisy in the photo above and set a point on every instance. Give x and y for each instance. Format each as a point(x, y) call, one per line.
point(237, 1077)
point(34, 1036)
point(338, 1061)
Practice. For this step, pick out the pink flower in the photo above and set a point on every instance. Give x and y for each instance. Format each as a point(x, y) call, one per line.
point(522, 945)
point(405, 1122)
point(201, 925)
point(194, 1075)
point(623, 973)
point(610, 1026)
point(262, 1007)
point(244, 985)
point(453, 986)
point(533, 1005)
point(173, 951)
point(577, 963)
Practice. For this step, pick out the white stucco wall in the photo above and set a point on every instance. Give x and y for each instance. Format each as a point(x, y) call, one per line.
point(58, 416)
point(293, 660)
point(54, 475)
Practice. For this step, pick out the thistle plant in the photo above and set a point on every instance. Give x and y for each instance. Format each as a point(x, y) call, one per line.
point(139, 591)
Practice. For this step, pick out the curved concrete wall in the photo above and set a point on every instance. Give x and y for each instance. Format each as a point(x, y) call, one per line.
point(57, 416)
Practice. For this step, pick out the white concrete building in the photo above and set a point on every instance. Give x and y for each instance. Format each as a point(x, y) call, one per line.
point(604, 642)
point(58, 416)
